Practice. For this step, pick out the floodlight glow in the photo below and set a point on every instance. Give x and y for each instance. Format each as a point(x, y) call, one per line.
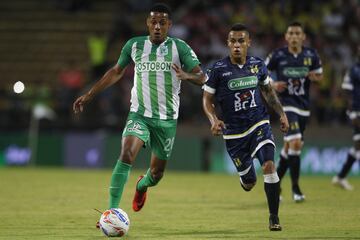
point(19, 87)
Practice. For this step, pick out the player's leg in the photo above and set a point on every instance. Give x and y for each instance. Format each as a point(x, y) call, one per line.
point(238, 150)
point(135, 135)
point(129, 149)
point(283, 164)
point(353, 155)
point(340, 179)
point(248, 178)
point(294, 152)
point(162, 136)
point(150, 179)
point(295, 139)
point(271, 184)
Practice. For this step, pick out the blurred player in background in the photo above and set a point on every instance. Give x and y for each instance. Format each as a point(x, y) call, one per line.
point(236, 84)
point(295, 67)
point(152, 120)
point(351, 85)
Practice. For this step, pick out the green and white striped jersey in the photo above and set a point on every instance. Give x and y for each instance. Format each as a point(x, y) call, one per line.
point(156, 89)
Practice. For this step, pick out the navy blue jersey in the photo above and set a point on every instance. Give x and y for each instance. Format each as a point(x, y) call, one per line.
point(352, 83)
point(237, 92)
point(294, 69)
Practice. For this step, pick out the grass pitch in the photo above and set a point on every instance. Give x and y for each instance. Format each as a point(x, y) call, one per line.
point(39, 203)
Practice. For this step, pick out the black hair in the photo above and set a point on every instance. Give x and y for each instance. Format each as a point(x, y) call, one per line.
point(239, 27)
point(162, 8)
point(296, 24)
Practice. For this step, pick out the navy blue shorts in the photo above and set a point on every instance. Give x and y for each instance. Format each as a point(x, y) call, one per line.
point(297, 125)
point(258, 144)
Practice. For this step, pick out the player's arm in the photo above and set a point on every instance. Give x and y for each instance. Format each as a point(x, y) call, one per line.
point(196, 76)
point(209, 109)
point(273, 101)
point(315, 76)
point(279, 86)
point(113, 75)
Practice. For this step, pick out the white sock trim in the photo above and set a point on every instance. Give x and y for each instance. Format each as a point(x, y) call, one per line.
point(294, 152)
point(271, 178)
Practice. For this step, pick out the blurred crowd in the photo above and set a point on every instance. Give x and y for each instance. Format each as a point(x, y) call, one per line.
point(332, 27)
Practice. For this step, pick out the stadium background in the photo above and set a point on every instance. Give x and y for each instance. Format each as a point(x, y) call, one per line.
point(58, 48)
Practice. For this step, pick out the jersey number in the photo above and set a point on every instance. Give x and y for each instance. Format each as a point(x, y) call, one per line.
point(296, 86)
point(169, 142)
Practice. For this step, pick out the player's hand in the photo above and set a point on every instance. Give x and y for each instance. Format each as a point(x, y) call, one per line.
point(279, 86)
point(79, 103)
point(180, 74)
point(284, 123)
point(216, 127)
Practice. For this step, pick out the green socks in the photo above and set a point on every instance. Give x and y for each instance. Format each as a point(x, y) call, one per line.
point(119, 178)
point(146, 181)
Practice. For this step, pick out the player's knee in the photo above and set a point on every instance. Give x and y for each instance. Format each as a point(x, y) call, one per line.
point(268, 167)
point(295, 145)
point(127, 155)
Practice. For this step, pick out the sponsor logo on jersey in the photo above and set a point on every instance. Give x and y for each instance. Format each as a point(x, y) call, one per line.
point(295, 72)
point(153, 66)
point(243, 83)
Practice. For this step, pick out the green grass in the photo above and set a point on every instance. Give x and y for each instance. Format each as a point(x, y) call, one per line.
point(40, 203)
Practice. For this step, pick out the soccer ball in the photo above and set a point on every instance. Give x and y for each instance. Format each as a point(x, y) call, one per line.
point(114, 222)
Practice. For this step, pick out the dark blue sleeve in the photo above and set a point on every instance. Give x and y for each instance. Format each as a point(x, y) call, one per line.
point(271, 61)
point(316, 62)
point(211, 80)
point(263, 73)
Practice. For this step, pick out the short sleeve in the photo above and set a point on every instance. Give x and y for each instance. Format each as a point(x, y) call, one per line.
point(347, 82)
point(211, 81)
point(316, 63)
point(187, 56)
point(263, 75)
point(125, 56)
point(270, 62)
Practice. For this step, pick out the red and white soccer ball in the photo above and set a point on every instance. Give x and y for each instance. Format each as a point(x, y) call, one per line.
point(114, 222)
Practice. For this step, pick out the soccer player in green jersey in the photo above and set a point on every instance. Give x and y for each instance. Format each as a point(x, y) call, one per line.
point(161, 63)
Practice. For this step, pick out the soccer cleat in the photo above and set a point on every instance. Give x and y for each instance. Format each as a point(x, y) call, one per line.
point(139, 198)
point(297, 194)
point(342, 182)
point(274, 223)
point(298, 197)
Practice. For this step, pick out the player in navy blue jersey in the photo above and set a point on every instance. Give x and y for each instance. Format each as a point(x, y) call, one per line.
point(351, 85)
point(295, 67)
point(236, 84)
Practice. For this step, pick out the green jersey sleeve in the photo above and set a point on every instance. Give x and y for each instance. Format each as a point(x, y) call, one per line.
point(125, 56)
point(187, 56)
